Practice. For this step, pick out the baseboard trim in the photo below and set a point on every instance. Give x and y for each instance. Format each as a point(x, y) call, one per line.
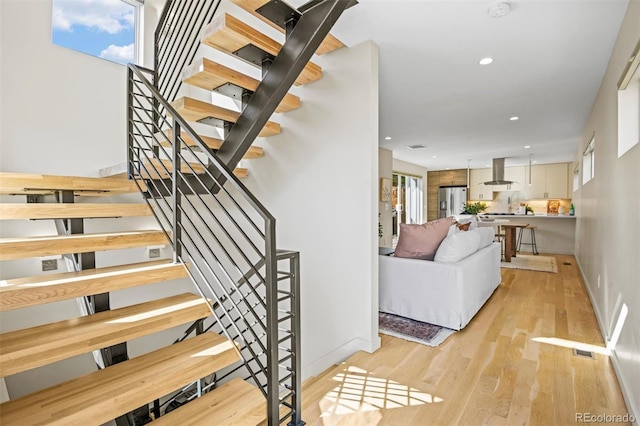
point(633, 410)
point(338, 355)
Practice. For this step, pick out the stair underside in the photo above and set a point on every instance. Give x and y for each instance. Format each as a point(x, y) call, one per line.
point(229, 34)
point(234, 403)
point(71, 211)
point(211, 143)
point(30, 291)
point(23, 183)
point(19, 248)
point(194, 110)
point(209, 75)
point(104, 395)
point(329, 44)
point(33, 347)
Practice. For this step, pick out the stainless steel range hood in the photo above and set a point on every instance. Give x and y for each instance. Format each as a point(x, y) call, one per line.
point(498, 173)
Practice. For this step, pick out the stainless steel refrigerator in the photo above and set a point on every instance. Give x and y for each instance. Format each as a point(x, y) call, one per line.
point(451, 200)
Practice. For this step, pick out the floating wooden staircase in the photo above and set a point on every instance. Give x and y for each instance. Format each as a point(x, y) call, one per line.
point(98, 397)
point(229, 34)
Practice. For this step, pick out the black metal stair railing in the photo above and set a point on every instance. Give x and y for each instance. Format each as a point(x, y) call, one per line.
point(226, 238)
point(177, 38)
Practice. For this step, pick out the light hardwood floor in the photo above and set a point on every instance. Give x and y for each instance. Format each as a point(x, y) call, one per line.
point(496, 371)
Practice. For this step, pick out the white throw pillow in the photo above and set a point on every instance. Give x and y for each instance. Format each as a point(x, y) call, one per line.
point(458, 246)
point(486, 236)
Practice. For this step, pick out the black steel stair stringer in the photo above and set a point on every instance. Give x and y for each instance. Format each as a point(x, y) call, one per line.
point(302, 42)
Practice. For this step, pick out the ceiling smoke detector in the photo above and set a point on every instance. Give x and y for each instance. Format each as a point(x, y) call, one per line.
point(499, 9)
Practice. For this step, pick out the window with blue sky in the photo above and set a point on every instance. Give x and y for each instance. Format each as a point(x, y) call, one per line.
point(102, 28)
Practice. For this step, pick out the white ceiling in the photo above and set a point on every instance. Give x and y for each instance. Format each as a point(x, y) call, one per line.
point(549, 60)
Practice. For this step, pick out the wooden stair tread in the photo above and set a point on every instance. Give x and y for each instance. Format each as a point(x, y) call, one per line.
point(154, 170)
point(21, 350)
point(104, 395)
point(207, 74)
point(24, 183)
point(29, 291)
point(25, 247)
point(195, 110)
point(211, 143)
point(71, 211)
point(234, 403)
point(329, 44)
point(229, 34)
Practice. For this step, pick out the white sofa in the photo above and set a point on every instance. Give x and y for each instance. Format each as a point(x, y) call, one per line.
point(446, 294)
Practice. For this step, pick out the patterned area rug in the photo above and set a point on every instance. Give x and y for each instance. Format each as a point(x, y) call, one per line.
point(412, 330)
point(532, 263)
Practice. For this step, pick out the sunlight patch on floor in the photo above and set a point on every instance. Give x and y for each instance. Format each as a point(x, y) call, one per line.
point(360, 391)
point(572, 345)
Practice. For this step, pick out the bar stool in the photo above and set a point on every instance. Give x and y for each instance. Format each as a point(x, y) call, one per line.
point(532, 238)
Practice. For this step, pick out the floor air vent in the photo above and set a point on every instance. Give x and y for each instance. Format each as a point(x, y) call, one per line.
point(583, 353)
point(567, 263)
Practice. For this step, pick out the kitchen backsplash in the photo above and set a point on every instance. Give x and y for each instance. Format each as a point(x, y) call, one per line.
point(508, 202)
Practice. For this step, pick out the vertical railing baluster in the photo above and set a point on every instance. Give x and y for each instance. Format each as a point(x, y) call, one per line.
point(177, 229)
point(271, 275)
point(296, 346)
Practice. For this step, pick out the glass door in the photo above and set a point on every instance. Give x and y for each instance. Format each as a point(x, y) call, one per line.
point(407, 200)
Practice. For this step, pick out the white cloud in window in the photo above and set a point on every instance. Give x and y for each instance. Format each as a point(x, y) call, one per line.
point(111, 16)
point(121, 54)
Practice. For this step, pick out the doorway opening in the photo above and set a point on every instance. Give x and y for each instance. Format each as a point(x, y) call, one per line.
point(407, 200)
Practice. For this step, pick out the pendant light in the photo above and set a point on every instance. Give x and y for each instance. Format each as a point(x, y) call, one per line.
point(530, 169)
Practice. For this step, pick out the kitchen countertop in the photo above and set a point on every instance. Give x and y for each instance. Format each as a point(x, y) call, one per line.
point(527, 216)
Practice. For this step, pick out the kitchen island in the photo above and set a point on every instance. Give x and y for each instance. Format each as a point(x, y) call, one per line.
point(554, 234)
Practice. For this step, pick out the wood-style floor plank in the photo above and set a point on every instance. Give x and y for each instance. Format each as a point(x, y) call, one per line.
point(492, 372)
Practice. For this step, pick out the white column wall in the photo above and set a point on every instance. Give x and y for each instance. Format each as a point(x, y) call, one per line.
point(607, 210)
point(319, 178)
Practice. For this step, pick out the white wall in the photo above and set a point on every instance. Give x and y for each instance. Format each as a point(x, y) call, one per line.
point(319, 178)
point(400, 166)
point(64, 109)
point(385, 165)
point(608, 214)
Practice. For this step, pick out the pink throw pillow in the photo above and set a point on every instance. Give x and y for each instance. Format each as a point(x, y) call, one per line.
point(422, 241)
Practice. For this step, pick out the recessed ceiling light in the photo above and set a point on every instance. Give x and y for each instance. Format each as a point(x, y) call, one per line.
point(435, 156)
point(514, 118)
point(487, 165)
point(448, 168)
point(535, 161)
point(527, 146)
point(388, 138)
point(486, 61)
point(416, 146)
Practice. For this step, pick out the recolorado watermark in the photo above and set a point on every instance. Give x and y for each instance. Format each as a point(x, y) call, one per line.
point(604, 418)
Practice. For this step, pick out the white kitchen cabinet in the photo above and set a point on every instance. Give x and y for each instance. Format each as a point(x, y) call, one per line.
point(478, 191)
point(547, 181)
